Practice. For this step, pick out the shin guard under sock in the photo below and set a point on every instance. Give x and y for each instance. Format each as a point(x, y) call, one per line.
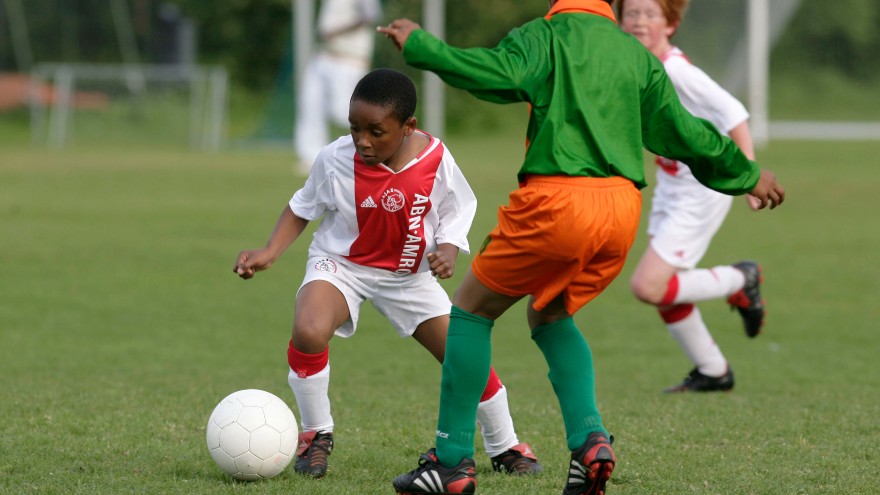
point(465, 373)
point(571, 372)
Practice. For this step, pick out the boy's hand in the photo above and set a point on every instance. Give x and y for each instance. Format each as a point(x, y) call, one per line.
point(441, 266)
point(252, 261)
point(398, 31)
point(753, 202)
point(767, 191)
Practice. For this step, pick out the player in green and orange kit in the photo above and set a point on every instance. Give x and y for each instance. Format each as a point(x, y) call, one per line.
point(597, 96)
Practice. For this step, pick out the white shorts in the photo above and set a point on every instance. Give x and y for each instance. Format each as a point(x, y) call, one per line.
point(406, 300)
point(685, 215)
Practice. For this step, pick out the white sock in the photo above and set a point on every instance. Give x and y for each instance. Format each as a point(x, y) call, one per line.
point(704, 284)
point(312, 399)
point(696, 341)
point(496, 425)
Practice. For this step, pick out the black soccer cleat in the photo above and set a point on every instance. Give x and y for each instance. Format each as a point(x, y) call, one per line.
point(433, 477)
point(311, 455)
point(748, 299)
point(517, 460)
point(591, 466)
point(698, 382)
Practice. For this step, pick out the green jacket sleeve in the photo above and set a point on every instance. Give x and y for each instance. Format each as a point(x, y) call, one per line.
point(508, 73)
point(669, 130)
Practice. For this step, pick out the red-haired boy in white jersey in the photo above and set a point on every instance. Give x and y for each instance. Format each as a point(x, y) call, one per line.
point(685, 214)
point(395, 211)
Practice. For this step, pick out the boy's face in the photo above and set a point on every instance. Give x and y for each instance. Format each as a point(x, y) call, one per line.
point(377, 134)
point(644, 19)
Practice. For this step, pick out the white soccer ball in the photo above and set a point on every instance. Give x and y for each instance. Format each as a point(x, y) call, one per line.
point(252, 435)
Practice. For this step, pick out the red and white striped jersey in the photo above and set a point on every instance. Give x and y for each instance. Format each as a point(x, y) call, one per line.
point(702, 97)
point(379, 218)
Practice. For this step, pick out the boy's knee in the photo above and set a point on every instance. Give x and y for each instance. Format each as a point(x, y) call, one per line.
point(310, 338)
point(646, 291)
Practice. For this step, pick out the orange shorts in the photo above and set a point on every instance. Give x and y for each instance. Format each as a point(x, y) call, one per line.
point(560, 235)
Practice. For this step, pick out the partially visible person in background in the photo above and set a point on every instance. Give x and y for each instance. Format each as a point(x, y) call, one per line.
point(343, 56)
point(685, 214)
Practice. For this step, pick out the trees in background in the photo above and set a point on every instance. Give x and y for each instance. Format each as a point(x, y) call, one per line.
point(250, 37)
point(842, 35)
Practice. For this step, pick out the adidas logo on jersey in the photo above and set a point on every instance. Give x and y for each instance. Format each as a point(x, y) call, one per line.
point(368, 203)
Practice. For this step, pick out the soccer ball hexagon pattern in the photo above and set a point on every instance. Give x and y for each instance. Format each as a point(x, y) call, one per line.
point(252, 435)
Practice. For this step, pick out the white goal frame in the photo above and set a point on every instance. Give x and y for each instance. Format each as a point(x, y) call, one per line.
point(208, 97)
point(763, 129)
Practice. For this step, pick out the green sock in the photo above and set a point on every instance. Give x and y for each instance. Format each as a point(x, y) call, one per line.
point(571, 372)
point(465, 373)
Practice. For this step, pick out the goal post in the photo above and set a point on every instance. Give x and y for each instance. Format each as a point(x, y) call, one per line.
point(766, 24)
point(434, 15)
point(758, 68)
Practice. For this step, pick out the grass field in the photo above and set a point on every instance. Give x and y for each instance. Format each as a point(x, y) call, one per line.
point(122, 325)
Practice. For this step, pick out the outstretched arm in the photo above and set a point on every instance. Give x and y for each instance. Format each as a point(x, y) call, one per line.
point(287, 230)
point(767, 191)
point(507, 73)
point(742, 136)
point(398, 31)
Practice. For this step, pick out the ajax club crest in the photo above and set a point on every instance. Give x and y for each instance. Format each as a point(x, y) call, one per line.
point(393, 200)
point(326, 265)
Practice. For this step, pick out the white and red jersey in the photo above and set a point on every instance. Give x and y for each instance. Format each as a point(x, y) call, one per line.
point(702, 97)
point(379, 218)
point(685, 214)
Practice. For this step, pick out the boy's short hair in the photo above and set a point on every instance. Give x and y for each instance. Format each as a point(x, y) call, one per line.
point(388, 88)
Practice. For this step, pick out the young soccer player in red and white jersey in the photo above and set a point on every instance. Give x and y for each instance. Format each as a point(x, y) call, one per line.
point(395, 211)
point(685, 214)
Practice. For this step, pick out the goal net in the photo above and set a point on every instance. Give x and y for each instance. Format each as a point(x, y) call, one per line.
point(99, 88)
point(782, 60)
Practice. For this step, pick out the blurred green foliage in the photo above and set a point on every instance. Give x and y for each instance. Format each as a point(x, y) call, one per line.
point(251, 37)
point(842, 35)
point(827, 48)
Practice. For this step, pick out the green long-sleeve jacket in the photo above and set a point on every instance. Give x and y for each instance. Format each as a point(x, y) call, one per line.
point(597, 96)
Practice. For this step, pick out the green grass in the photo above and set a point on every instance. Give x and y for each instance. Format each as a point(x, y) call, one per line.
point(823, 95)
point(122, 325)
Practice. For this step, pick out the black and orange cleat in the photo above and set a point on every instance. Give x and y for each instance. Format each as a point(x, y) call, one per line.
point(433, 477)
point(517, 460)
point(311, 455)
point(748, 299)
point(591, 466)
point(698, 382)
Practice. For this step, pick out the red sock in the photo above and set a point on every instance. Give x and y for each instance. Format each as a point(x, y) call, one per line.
point(306, 364)
point(492, 386)
point(676, 313)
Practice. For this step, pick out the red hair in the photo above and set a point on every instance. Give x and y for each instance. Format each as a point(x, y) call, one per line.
point(673, 10)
